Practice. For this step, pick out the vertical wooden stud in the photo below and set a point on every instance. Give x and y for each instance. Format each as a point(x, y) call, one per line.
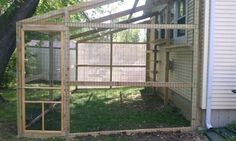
point(66, 78)
point(166, 92)
point(76, 63)
point(19, 80)
point(111, 57)
point(155, 63)
point(62, 82)
point(43, 116)
point(23, 78)
point(51, 65)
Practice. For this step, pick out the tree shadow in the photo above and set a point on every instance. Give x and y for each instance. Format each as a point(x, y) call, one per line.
point(122, 109)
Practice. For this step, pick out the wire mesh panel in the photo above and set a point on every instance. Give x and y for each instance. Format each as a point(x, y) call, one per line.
point(42, 99)
point(53, 64)
point(129, 62)
point(42, 59)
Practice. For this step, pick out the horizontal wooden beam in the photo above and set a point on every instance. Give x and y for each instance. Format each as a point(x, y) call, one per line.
point(49, 28)
point(114, 66)
point(91, 32)
point(130, 26)
point(132, 84)
point(71, 9)
point(43, 102)
point(128, 132)
point(42, 134)
point(103, 34)
point(43, 88)
point(96, 42)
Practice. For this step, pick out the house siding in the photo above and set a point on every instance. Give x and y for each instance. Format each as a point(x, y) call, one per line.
point(224, 67)
point(183, 59)
point(182, 70)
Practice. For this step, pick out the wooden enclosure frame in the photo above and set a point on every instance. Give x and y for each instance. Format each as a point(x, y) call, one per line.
point(39, 23)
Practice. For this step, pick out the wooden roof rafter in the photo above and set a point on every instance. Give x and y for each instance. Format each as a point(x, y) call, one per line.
point(107, 33)
point(120, 14)
point(87, 33)
point(71, 10)
point(132, 11)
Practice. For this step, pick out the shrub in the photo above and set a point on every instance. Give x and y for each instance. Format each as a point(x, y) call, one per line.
point(9, 77)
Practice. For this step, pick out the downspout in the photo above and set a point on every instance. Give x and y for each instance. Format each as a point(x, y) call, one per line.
point(210, 64)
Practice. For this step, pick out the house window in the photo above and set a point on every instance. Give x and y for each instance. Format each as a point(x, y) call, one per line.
point(181, 16)
point(181, 8)
point(160, 33)
point(162, 21)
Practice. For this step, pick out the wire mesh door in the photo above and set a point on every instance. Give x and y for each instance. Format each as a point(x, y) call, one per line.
point(42, 92)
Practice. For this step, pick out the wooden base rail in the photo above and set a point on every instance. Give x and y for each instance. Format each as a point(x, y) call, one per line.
point(129, 132)
point(114, 66)
point(132, 84)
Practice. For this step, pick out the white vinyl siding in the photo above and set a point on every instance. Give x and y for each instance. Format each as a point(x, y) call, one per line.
point(182, 68)
point(224, 74)
point(182, 71)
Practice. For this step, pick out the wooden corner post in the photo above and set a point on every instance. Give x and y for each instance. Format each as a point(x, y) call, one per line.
point(195, 122)
point(66, 77)
point(20, 75)
point(167, 53)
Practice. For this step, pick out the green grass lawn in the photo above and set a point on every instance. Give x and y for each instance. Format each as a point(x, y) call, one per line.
point(121, 108)
point(97, 110)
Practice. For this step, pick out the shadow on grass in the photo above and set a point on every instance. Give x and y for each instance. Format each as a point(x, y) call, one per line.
point(100, 109)
point(119, 109)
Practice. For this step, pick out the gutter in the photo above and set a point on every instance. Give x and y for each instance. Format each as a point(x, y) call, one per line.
point(210, 64)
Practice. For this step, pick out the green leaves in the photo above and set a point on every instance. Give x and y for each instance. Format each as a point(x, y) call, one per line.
point(49, 5)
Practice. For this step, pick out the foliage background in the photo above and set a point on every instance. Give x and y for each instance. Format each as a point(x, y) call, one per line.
point(9, 77)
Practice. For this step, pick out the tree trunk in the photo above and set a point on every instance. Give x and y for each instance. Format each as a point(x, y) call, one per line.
point(20, 9)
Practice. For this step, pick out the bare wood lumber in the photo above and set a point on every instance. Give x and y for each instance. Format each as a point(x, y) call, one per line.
point(42, 115)
point(96, 42)
point(47, 102)
point(132, 84)
point(114, 66)
point(166, 91)
point(42, 134)
point(97, 36)
point(38, 27)
point(137, 131)
point(111, 58)
point(51, 65)
point(76, 62)
point(107, 33)
point(20, 128)
point(155, 51)
point(43, 88)
point(195, 122)
point(133, 9)
point(22, 65)
point(130, 26)
point(120, 14)
point(72, 9)
point(66, 93)
point(62, 67)
point(87, 33)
